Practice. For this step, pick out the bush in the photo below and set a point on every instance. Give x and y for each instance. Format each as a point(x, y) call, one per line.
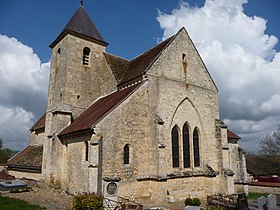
point(192, 202)
point(87, 201)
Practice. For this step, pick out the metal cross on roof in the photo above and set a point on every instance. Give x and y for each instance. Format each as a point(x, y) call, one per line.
point(81, 3)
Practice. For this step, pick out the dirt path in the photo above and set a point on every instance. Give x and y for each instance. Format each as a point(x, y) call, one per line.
point(46, 197)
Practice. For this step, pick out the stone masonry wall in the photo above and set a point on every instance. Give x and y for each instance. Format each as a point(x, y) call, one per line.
point(72, 88)
point(37, 137)
point(73, 83)
point(179, 95)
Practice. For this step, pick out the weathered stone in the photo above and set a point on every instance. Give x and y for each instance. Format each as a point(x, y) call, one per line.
point(272, 202)
point(176, 91)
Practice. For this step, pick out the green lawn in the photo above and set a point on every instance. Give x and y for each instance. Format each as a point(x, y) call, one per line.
point(255, 196)
point(10, 203)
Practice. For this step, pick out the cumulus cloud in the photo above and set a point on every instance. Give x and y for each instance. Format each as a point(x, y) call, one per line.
point(23, 91)
point(242, 60)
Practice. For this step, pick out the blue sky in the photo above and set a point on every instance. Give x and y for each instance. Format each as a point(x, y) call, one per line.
point(130, 27)
point(237, 41)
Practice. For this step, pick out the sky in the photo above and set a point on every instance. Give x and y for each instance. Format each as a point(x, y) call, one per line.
point(237, 40)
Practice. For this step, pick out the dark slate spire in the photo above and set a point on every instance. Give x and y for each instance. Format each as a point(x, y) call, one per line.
point(81, 25)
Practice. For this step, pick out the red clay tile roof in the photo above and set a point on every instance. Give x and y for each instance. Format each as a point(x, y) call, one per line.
point(6, 176)
point(40, 123)
point(99, 110)
point(139, 65)
point(232, 135)
point(30, 157)
point(117, 64)
point(265, 184)
point(131, 71)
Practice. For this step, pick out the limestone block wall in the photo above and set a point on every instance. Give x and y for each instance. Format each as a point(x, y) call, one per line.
point(75, 166)
point(37, 137)
point(127, 124)
point(179, 95)
point(21, 174)
point(73, 83)
point(264, 189)
point(237, 163)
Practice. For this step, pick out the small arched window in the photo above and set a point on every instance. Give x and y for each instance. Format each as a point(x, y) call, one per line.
point(126, 154)
point(86, 150)
point(186, 146)
point(175, 146)
point(196, 147)
point(86, 52)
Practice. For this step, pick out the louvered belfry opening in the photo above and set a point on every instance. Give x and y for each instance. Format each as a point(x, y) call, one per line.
point(86, 53)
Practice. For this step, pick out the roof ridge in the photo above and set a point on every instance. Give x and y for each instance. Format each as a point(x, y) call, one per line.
point(110, 54)
point(146, 65)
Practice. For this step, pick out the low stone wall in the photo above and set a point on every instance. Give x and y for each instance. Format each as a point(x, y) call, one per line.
point(264, 187)
point(19, 174)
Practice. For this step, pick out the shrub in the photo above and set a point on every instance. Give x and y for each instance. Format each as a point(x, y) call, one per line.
point(192, 201)
point(87, 201)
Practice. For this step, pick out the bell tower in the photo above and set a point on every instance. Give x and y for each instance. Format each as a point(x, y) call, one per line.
point(79, 74)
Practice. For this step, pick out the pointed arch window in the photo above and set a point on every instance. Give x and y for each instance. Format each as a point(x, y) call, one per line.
point(175, 146)
point(186, 146)
point(196, 147)
point(86, 52)
point(126, 154)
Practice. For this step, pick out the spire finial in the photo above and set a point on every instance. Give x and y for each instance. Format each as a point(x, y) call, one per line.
point(81, 3)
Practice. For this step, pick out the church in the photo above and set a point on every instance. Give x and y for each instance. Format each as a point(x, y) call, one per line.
point(146, 128)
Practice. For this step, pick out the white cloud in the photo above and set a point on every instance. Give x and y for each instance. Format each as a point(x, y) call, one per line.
point(23, 90)
point(15, 123)
point(240, 57)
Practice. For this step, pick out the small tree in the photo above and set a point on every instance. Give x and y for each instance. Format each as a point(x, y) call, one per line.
point(269, 151)
point(5, 153)
point(1, 143)
point(270, 145)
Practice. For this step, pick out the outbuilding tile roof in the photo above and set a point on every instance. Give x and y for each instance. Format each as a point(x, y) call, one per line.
point(29, 158)
point(99, 110)
point(6, 176)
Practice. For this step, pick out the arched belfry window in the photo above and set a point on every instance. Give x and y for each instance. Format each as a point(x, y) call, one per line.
point(186, 146)
point(196, 147)
point(126, 154)
point(86, 52)
point(175, 146)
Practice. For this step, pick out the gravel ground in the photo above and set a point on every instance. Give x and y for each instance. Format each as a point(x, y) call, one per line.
point(45, 196)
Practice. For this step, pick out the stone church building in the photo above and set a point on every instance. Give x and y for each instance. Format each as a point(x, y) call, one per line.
point(146, 128)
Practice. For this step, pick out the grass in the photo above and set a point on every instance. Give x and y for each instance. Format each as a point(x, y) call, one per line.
point(254, 196)
point(15, 204)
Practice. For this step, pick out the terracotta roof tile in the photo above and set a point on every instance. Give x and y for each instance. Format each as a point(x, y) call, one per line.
point(138, 66)
point(99, 110)
point(232, 135)
point(128, 72)
point(117, 64)
point(40, 123)
point(30, 157)
point(6, 176)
